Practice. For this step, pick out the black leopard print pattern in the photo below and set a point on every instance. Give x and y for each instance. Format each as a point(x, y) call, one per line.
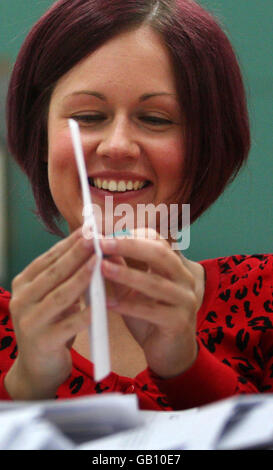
point(234, 333)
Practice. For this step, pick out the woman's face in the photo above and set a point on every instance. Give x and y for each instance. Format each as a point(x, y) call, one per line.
point(124, 98)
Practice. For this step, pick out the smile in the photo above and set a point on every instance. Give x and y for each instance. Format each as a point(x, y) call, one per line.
point(117, 185)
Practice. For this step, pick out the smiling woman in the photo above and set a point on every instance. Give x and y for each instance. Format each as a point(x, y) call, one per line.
point(208, 85)
point(157, 92)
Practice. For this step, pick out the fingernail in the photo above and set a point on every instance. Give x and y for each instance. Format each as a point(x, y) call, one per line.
point(88, 242)
point(112, 267)
point(109, 243)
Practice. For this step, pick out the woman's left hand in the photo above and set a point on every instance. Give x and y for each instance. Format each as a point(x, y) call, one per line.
point(161, 305)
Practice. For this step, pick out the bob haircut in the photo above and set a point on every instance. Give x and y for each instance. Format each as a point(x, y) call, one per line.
point(209, 86)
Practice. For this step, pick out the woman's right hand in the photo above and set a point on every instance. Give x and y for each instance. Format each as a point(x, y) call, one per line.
point(46, 315)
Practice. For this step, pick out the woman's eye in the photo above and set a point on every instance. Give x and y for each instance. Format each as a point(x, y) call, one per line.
point(88, 118)
point(156, 120)
point(93, 118)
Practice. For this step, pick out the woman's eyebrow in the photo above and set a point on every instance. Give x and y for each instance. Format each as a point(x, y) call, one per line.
point(146, 96)
point(88, 92)
point(102, 97)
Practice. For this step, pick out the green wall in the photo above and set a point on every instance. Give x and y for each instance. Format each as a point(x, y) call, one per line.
point(241, 221)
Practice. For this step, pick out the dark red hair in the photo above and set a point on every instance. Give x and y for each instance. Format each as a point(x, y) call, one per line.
point(209, 85)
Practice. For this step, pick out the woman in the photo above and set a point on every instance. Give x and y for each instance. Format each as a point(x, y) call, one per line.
point(158, 95)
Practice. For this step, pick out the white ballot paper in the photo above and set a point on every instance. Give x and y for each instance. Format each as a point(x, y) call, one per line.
point(95, 295)
point(25, 429)
point(114, 422)
point(239, 422)
point(75, 420)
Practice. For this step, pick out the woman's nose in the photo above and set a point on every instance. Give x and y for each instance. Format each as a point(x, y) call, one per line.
point(118, 141)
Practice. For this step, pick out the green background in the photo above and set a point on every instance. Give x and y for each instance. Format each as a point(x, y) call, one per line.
point(241, 221)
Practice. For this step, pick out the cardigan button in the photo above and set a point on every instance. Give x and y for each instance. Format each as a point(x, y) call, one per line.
point(131, 389)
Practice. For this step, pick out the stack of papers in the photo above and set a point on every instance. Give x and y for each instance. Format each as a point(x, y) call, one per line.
point(244, 422)
point(71, 421)
point(114, 422)
point(24, 429)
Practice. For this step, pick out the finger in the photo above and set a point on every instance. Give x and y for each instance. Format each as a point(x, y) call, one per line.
point(156, 254)
point(65, 331)
point(150, 284)
point(65, 266)
point(114, 290)
point(155, 313)
point(74, 308)
point(50, 257)
point(64, 296)
point(150, 311)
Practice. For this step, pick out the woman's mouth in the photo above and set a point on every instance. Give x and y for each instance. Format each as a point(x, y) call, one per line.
point(120, 186)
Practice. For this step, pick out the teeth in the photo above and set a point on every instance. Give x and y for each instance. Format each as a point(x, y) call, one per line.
point(112, 186)
point(120, 186)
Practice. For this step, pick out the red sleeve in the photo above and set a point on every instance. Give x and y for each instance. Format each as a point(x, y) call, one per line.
point(208, 380)
point(234, 335)
point(8, 348)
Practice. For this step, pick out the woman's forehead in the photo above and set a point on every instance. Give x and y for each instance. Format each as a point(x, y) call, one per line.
point(132, 59)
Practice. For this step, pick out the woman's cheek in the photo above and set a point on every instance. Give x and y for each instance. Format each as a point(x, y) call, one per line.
point(61, 152)
point(169, 161)
point(62, 169)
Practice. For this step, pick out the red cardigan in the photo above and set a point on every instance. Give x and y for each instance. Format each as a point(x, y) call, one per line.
point(234, 334)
